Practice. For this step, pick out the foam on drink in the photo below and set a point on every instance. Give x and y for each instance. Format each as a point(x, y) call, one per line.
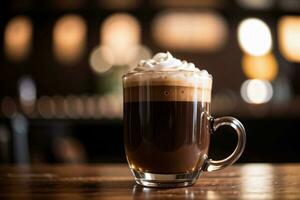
point(174, 80)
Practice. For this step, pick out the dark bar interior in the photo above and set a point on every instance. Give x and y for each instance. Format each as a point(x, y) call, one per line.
point(62, 61)
point(72, 99)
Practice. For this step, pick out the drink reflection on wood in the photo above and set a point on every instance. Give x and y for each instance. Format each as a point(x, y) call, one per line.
point(249, 181)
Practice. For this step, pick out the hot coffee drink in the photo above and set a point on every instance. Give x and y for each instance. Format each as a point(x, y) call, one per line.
point(162, 119)
point(166, 120)
point(163, 135)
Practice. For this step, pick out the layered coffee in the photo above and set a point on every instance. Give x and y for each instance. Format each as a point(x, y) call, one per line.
point(165, 116)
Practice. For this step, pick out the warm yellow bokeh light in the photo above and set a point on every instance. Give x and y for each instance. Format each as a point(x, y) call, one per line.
point(119, 33)
point(59, 111)
point(110, 106)
point(260, 67)
point(256, 4)
point(120, 36)
point(119, 4)
point(192, 31)
point(46, 107)
point(137, 54)
point(69, 38)
point(254, 37)
point(101, 59)
point(289, 37)
point(256, 91)
point(18, 38)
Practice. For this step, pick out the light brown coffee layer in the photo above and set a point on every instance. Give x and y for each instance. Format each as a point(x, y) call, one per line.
point(187, 79)
point(166, 93)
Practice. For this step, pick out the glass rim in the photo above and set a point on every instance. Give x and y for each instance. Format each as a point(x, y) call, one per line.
point(198, 73)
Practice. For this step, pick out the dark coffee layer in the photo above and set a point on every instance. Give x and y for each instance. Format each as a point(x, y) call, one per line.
point(166, 136)
point(166, 93)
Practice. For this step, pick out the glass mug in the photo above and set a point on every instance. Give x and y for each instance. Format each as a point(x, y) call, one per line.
point(167, 127)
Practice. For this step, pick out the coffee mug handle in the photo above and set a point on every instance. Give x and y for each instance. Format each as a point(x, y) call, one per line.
point(213, 165)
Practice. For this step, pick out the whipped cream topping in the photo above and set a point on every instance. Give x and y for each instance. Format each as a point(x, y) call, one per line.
point(165, 70)
point(165, 62)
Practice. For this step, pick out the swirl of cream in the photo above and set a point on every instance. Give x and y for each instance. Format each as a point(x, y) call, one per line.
point(165, 62)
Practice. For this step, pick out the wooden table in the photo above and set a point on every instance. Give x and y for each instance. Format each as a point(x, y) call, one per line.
point(114, 181)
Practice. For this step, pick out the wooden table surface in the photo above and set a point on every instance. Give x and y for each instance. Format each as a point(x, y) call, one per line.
point(114, 181)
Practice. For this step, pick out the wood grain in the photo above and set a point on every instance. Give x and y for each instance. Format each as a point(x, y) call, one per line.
point(114, 181)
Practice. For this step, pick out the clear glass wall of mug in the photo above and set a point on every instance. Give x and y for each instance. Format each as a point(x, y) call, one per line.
point(167, 127)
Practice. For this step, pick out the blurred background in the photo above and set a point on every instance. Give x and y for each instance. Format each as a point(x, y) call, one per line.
point(61, 63)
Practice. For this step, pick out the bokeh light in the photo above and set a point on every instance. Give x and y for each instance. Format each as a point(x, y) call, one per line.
point(120, 32)
point(282, 90)
point(27, 94)
point(107, 106)
point(116, 105)
point(256, 4)
point(256, 91)
point(119, 44)
point(110, 106)
point(68, 149)
point(101, 59)
point(8, 107)
point(65, 5)
point(46, 107)
point(18, 38)
point(254, 37)
point(69, 39)
point(139, 52)
point(224, 101)
point(289, 37)
point(289, 5)
point(90, 106)
point(73, 106)
point(190, 31)
point(59, 106)
point(260, 67)
point(118, 4)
